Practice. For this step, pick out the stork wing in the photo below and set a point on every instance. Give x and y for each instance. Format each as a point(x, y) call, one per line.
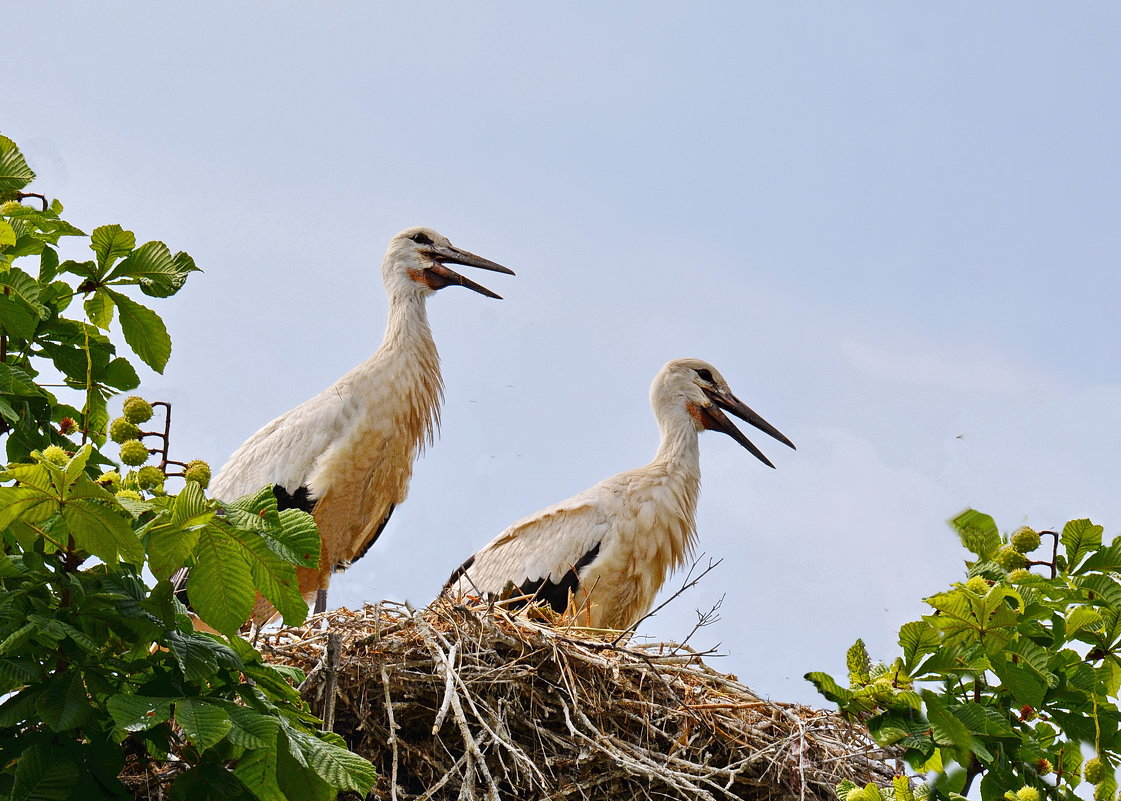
point(539, 555)
point(285, 450)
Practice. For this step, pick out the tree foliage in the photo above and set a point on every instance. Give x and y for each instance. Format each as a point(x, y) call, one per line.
point(99, 667)
point(1014, 673)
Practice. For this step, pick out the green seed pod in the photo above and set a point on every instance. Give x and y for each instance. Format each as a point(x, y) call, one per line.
point(134, 452)
point(1026, 793)
point(1011, 559)
point(149, 477)
point(1094, 771)
point(55, 455)
point(1019, 575)
point(858, 663)
point(977, 585)
point(122, 430)
point(198, 470)
point(1025, 540)
point(110, 479)
point(137, 410)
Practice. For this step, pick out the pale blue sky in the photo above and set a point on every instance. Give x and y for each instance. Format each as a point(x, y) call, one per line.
point(893, 228)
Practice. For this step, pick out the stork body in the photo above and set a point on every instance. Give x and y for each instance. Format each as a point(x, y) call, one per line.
point(346, 455)
point(603, 554)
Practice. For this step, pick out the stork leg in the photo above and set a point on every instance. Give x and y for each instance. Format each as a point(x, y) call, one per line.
point(320, 600)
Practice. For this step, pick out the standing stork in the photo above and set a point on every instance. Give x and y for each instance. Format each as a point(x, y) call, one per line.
point(347, 454)
point(605, 553)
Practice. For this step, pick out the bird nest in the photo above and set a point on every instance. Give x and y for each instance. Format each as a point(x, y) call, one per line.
point(476, 702)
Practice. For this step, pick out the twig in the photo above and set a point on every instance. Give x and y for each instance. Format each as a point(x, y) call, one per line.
point(334, 644)
point(392, 732)
point(689, 584)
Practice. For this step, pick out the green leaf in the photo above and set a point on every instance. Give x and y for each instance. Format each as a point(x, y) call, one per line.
point(220, 585)
point(908, 730)
point(138, 712)
point(200, 656)
point(296, 781)
point(204, 724)
point(111, 242)
point(978, 532)
point(983, 720)
point(102, 532)
point(1082, 617)
point(151, 265)
point(189, 503)
point(257, 770)
point(255, 512)
point(1102, 587)
point(15, 673)
point(827, 686)
point(18, 284)
point(1080, 537)
point(336, 765)
point(14, 172)
point(7, 234)
point(1106, 560)
point(87, 488)
point(948, 730)
point(273, 577)
point(44, 773)
point(99, 309)
point(17, 318)
point(251, 729)
point(144, 331)
point(75, 469)
point(917, 639)
point(14, 381)
point(168, 547)
point(48, 269)
point(63, 704)
point(1021, 681)
point(298, 539)
point(120, 374)
point(27, 504)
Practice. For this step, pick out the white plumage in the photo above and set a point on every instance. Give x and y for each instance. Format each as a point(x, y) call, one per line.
point(603, 554)
point(347, 454)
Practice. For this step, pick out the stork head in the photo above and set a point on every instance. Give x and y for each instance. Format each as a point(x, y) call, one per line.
point(417, 260)
point(699, 389)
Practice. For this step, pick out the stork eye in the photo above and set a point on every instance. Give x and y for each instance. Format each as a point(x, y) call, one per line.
point(706, 375)
point(421, 239)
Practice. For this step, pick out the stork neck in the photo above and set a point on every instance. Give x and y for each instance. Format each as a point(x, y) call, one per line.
point(679, 448)
point(407, 325)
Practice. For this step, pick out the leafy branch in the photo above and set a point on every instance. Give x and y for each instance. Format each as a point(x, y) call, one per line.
point(101, 673)
point(1010, 673)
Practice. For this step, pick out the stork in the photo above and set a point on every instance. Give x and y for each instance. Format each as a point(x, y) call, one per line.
point(603, 554)
point(346, 455)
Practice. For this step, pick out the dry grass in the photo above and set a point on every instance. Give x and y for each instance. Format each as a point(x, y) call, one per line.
point(471, 702)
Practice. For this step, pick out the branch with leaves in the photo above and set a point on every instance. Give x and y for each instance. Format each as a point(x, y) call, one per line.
point(1010, 673)
point(100, 672)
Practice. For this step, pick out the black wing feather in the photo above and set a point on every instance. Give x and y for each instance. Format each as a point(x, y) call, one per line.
point(300, 499)
point(556, 594)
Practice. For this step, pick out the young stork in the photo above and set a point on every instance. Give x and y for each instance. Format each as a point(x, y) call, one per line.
point(347, 454)
point(604, 554)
